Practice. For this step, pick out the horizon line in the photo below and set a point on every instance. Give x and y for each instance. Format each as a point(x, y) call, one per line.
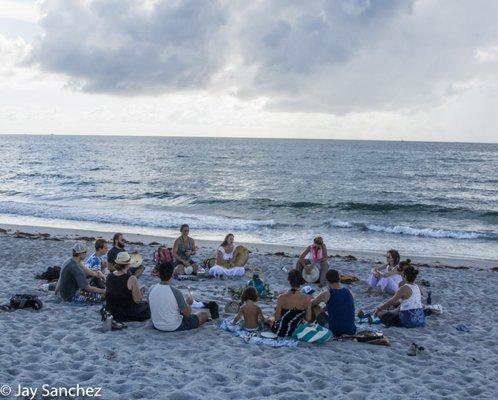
point(238, 137)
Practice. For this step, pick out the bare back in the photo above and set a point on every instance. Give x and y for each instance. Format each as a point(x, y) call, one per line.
point(251, 313)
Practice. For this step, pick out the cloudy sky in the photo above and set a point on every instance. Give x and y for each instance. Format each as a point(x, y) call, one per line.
point(344, 69)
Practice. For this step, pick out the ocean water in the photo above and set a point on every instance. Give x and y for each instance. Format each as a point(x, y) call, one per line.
point(437, 199)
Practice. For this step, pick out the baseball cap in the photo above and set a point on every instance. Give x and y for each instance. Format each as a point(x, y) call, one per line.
point(79, 248)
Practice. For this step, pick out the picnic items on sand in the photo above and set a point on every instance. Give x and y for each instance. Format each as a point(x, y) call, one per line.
point(20, 301)
point(347, 279)
point(232, 307)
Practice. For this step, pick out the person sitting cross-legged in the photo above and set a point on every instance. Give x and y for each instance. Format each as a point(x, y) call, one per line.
point(410, 313)
point(169, 310)
point(124, 298)
point(72, 285)
point(339, 306)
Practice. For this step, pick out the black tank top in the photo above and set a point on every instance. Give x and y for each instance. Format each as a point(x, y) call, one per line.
point(118, 296)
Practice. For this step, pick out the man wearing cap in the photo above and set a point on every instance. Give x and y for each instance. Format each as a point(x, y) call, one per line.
point(72, 284)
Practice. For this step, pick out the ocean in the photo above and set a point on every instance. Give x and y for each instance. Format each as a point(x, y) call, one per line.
point(434, 199)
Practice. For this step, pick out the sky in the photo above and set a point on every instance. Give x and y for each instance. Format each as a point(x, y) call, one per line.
point(338, 69)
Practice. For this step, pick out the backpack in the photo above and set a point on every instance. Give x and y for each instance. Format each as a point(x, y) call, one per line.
point(51, 274)
point(162, 254)
point(19, 301)
point(257, 284)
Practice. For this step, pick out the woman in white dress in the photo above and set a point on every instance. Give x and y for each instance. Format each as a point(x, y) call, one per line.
point(225, 257)
point(387, 277)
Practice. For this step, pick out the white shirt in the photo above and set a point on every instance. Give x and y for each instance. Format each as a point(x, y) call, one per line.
point(166, 303)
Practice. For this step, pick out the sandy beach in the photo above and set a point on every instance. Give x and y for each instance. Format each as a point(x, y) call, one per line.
point(61, 346)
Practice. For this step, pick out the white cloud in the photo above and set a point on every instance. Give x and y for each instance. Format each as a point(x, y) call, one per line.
point(408, 69)
point(20, 10)
point(131, 46)
point(488, 54)
point(334, 56)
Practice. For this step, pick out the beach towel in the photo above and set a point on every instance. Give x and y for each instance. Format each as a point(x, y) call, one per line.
point(369, 319)
point(253, 338)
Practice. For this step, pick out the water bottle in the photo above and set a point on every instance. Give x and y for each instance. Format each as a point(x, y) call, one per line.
point(429, 298)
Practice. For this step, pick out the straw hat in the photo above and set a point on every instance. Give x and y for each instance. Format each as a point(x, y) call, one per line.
point(188, 270)
point(311, 277)
point(135, 260)
point(232, 307)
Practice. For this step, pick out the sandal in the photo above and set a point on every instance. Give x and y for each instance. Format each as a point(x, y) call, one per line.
point(117, 326)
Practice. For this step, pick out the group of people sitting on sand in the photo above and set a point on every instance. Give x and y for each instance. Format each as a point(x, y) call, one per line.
point(82, 280)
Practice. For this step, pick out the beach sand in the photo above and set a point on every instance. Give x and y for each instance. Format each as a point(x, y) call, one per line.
point(61, 345)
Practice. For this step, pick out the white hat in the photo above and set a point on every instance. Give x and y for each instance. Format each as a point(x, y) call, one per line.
point(188, 270)
point(122, 258)
point(311, 277)
point(79, 248)
point(135, 260)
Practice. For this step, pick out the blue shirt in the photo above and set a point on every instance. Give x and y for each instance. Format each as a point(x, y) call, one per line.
point(94, 262)
point(340, 309)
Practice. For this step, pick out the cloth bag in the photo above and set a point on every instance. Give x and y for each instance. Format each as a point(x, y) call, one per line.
point(312, 333)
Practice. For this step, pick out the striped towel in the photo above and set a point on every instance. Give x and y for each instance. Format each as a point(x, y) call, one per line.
point(312, 333)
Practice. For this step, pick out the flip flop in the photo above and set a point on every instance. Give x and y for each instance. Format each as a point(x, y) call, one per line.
point(117, 326)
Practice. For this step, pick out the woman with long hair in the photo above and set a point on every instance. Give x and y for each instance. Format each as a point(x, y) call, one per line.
point(225, 260)
point(314, 257)
point(410, 313)
point(386, 277)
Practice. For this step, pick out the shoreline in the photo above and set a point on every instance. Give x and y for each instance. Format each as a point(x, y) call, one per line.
point(136, 239)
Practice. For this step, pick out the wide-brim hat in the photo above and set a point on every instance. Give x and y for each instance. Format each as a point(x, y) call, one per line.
point(188, 270)
point(311, 277)
point(136, 260)
point(122, 258)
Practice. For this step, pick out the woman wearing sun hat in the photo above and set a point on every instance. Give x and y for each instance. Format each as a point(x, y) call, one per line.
point(313, 263)
point(124, 298)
